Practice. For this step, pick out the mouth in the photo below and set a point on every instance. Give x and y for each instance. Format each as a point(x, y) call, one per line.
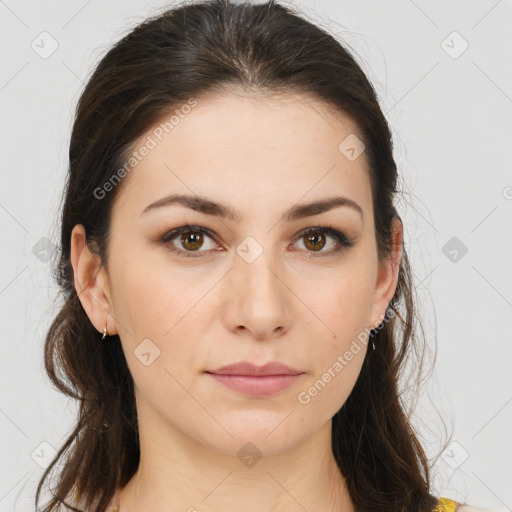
point(256, 385)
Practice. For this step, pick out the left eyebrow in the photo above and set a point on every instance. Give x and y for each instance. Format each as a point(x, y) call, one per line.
point(210, 207)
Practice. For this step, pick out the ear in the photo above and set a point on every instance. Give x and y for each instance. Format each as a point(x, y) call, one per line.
point(387, 278)
point(91, 282)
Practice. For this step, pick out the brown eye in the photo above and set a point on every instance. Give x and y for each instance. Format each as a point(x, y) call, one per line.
point(191, 240)
point(315, 241)
point(187, 240)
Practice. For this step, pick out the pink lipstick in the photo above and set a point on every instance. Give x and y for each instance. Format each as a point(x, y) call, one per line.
point(252, 380)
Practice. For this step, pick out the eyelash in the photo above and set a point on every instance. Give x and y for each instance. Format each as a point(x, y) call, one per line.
point(340, 238)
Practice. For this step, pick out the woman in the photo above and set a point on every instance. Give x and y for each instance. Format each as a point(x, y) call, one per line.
point(238, 298)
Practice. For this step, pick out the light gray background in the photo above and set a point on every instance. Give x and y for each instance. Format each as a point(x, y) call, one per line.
point(451, 114)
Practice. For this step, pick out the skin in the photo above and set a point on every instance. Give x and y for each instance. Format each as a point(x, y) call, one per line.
point(261, 156)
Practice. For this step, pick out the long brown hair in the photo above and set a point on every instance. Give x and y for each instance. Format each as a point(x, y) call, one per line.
point(187, 51)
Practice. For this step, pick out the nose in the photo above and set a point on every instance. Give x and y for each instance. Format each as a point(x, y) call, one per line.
point(258, 298)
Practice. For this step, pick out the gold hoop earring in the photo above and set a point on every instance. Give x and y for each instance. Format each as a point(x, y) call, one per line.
point(105, 333)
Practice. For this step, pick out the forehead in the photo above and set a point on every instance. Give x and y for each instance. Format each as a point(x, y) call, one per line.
point(247, 149)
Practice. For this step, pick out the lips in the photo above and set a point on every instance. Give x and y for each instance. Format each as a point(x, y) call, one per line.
point(256, 381)
point(247, 368)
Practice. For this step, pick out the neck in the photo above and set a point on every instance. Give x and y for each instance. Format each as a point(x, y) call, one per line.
point(189, 476)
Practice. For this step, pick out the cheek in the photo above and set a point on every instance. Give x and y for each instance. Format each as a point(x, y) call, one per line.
point(343, 305)
point(337, 354)
point(324, 395)
point(169, 307)
point(345, 302)
point(151, 295)
point(157, 308)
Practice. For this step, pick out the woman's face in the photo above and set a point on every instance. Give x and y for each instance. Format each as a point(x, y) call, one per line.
point(255, 287)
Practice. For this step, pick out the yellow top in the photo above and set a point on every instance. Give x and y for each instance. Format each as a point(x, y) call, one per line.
point(446, 505)
point(443, 505)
